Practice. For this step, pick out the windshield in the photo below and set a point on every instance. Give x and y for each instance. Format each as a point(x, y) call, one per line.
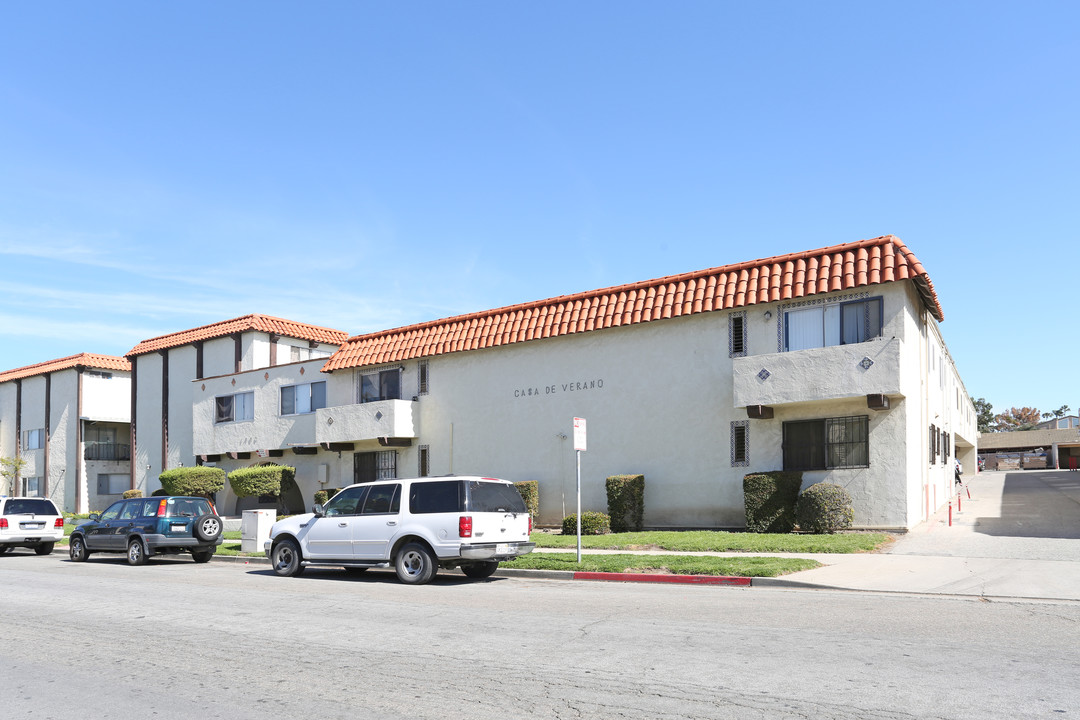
point(494, 497)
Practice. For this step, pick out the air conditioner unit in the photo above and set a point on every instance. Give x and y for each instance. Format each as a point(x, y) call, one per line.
point(877, 402)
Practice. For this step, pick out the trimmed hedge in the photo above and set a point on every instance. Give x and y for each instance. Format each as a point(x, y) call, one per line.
point(530, 493)
point(132, 494)
point(262, 480)
point(770, 499)
point(592, 523)
point(824, 508)
point(196, 480)
point(626, 502)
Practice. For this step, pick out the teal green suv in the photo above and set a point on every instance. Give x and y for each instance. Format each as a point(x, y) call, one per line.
point(144, 527)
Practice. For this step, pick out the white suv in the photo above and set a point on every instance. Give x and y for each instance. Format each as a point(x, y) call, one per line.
point(418, 525)
point(31, 522)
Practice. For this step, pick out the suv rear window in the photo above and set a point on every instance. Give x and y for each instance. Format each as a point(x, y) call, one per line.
point(30, 506)
point(494, 497)
point(439, 496)
point(187, 507)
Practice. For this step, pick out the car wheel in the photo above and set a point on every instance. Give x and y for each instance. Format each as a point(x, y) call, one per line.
point(208, 528)
point(4, 549)
point(480, 569)
point(136, 552)
point(415, 564)
point(77, 550)
point(201, 556)
point(44, 548)
point(286, 558)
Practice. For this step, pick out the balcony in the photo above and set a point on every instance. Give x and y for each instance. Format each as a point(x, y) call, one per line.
point(107, 451)
point(367, 421)
point(828, 373)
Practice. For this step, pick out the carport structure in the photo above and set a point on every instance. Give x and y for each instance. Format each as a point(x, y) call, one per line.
point(1062, 447)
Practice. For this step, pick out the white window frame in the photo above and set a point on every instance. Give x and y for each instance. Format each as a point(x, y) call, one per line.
point(241, 410)
point(823, 324)
point(34, 439)
point(304, 400)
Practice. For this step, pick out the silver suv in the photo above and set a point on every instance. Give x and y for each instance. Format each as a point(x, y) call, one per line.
point(417, 525)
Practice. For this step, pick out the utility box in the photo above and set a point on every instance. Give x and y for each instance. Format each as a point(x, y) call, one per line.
point(255, 529)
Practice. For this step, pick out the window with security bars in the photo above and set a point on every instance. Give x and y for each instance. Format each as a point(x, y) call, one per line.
point(827, 444)
point(372, 466)
point(424, 461)
point(740, 443)
point(737, 334)
point(422, 378)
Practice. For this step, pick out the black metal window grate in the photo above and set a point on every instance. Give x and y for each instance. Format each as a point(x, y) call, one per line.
point(827, 444)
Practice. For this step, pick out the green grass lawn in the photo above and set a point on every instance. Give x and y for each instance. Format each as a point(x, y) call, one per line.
point(713, 541)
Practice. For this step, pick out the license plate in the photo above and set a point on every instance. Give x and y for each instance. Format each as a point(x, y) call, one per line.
point(32, 526)
point(502, 549)
point(182, 526)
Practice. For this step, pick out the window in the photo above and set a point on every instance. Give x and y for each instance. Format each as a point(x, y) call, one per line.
point(372, 466)
point(301, 399)
point(737, 334)
point(827, 444)
point(33, 486)
point(424, 461)
point(346, 502)
point(384, 385)
point(439, 496)
point(34, 439)
point(113, 483)
point(234, 408)
point(382, 499)
point(422, 378)
point(99, 374)
point(833, 324)
point(740, 443)
point(933, 445)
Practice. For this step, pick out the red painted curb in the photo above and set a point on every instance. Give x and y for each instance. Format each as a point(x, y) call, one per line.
point(683, 579)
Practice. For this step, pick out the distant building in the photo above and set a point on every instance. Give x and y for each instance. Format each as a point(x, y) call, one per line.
point(1068, 422)
point(69, 419)
point(1030, 449)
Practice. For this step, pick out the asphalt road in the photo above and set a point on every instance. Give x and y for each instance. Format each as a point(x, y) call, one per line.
point(177, 640)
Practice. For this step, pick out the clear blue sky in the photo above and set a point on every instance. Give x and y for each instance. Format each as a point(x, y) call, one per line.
point(367, 165)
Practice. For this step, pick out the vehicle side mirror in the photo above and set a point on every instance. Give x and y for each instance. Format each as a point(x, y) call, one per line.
point(318, 510)
point(94, 516)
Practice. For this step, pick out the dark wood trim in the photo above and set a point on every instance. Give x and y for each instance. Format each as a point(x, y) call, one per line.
point(79, 440)
point(238, 351)
point(759, 412)
point(48, 435)
point(274, 337)
point(339, 446)
point(395, 442)
point(134, 418)
point(164, 409)
point(302, 450)
point(18, 435)
point(277, 453)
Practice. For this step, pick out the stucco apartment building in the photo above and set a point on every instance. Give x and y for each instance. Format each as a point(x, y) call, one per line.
point(829, 361)
point(68, 419)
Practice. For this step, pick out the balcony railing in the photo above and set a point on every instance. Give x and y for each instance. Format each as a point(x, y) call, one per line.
point(107, 451)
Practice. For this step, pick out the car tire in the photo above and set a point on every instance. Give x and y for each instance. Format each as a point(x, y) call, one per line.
point(4, 549)
point(415, 564)
point(201, 556)
point(136, 552)
point(480, 569)
point(208, 528)
point(77, 550)
point(44, 548)
point(286, 558)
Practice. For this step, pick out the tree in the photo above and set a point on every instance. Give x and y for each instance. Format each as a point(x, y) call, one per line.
point(984, 413)
point(1013, 419)
point(1059, 413)
point(10, 469)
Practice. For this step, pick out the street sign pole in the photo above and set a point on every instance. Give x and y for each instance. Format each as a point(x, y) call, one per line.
point(579, 446)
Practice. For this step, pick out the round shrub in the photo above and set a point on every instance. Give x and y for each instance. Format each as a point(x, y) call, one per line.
point(262, 480)
point(592, 523)
point(321, 496)
point(197, 480)
point(824, 508)
point(132, 493)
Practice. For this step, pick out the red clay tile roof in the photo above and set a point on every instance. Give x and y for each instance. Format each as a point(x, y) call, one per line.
point(785, 277)
point(260, 323)
point(88, 360)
